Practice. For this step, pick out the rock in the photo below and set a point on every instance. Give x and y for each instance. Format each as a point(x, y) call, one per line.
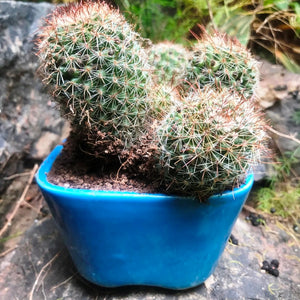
point(285, 118)
point(276, 83)
point(42, 147)
point(262, 172)
point(279, 95)
point(41, 265)
point(29, 127)
point(11, 194)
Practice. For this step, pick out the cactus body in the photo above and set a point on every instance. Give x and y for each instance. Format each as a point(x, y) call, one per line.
point(209, 142)
point(169, 61)
point(220, 62)
point(97, 69)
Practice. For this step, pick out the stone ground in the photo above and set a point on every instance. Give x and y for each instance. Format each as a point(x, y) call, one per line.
point(35, 265)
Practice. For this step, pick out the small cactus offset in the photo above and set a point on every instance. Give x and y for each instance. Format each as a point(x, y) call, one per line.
point(209, 143)
point(97, 70)
point(168, 61)
point(221, 62)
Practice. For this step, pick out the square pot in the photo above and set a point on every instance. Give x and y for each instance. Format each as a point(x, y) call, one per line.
point(128, 238)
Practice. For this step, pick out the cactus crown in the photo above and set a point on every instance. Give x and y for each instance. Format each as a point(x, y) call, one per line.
point(222, 62)
point(97, 69)
point(208, 142)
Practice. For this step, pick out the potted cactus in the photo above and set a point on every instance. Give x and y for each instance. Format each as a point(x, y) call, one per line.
point(196, 142)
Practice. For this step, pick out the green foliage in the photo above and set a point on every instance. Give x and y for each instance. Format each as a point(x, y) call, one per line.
point(264, 23)
point(283, 167)
point(209, 142)
point(160, 20)
point(228, 16)
point(296, 117)
point(295, 19)
point(220, 62)
point(97, 69)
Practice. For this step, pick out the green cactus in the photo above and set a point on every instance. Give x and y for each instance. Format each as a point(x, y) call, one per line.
point(209, 142)
point(220, 62)
point(169, 61)
point(203, 141)
point(98, 70)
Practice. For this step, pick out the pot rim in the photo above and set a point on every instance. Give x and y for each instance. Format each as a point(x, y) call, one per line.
point(44, 184)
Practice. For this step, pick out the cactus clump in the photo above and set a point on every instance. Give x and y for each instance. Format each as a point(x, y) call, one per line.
point(203, 140)
point(221, 62)
point(209, 142)
point(97, 69)
point(169, 61)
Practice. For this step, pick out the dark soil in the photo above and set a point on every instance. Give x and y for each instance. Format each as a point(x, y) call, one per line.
point(131, 171)
point(112, 167)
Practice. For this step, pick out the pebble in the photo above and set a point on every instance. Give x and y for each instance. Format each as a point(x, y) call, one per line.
point(233, 240)
point(265, 265)
point(280, 87)
point(271, 268)
point(275, 263)
point(256, 220)
point(294, 94)
point(273, 272)
point(44, 210)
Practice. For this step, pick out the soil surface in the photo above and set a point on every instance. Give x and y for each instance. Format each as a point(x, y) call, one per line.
point(130, 170)
point(76, 169)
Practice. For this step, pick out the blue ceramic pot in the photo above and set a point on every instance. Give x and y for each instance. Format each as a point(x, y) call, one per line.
point(122, 238)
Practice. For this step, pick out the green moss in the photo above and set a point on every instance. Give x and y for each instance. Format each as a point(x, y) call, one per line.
point(285, 201)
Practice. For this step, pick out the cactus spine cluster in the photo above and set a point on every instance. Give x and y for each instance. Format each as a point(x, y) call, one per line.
point(98, 71)
point(209, 142)
point(220, 62)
